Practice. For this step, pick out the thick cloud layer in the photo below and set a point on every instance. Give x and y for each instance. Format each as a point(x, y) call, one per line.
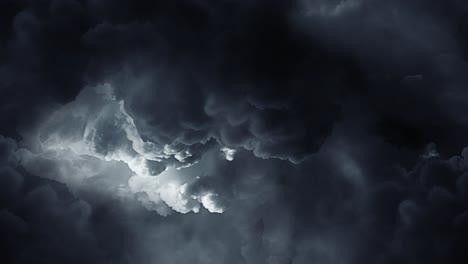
point(186, 131)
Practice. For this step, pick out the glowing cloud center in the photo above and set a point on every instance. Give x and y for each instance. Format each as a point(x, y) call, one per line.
point(97, 125)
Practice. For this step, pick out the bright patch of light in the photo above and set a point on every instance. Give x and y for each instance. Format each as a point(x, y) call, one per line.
point(209, 203)
point(228, 153)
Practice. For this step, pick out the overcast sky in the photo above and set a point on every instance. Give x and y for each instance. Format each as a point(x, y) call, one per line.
point(234, 131)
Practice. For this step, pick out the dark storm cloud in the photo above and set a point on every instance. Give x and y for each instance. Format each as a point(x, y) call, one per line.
point(251, 82)
point(40, 221)
point(413, 58)
point(417, 216)
point(42, 60)
point(324, 131)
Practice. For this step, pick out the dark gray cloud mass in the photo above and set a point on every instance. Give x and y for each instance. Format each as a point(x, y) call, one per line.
point(233, 131)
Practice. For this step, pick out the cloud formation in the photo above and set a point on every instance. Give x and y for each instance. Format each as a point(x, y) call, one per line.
point(233, 131)
point(82, 137)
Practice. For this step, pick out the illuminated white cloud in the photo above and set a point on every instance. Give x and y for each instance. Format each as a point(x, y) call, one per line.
point(96, 128)
point(209, 202)
point(228, 153)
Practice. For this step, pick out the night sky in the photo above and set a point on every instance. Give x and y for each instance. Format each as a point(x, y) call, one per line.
point(234, 131)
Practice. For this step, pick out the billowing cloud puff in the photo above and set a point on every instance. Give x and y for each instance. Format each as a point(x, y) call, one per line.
point(228, 153)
